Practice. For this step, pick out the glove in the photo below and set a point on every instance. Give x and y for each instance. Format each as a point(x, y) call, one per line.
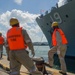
point(33, 53)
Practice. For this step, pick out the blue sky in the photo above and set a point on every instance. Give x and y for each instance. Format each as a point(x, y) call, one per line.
point(26, 11)
point(33, 6)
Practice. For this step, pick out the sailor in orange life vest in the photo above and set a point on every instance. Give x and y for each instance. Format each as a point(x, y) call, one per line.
point(59, 43)
point(1, 45)
point(18, 40)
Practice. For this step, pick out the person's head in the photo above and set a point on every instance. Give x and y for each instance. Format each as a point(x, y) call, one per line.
point(0, 34)
point(55, 25)
point(14, 22)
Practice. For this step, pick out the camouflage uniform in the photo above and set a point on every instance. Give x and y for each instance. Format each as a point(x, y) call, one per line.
point(20, 57)
point(1, 48)
point(60, 49)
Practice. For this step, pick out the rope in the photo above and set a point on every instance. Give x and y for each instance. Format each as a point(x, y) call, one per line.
point(7, 70)
point(40, 41)
point(4, 71)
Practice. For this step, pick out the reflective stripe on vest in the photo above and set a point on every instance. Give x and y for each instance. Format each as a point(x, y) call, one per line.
point(1, 40)
point(15, 39)
point(64, 40)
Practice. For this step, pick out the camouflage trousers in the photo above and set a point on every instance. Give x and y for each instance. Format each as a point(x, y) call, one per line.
point(61, 51)
point(18, 58)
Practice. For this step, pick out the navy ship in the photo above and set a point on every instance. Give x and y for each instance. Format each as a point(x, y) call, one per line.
point(64, 14)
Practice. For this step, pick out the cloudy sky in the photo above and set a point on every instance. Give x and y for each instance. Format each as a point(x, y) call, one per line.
point(26, 11)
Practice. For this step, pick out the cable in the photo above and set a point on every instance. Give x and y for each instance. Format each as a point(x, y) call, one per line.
point(40, 41)
point(7, 70)
point(3, 71)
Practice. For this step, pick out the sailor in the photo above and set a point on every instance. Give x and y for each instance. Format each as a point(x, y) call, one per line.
point(59, 43)
point(1, 45)
point(18, 41)
point(6, 48)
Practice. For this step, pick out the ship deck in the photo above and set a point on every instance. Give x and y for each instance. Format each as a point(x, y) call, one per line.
point(23, 70)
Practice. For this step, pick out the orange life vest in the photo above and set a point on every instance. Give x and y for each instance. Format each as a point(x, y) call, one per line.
point(15, 39)
point(64, 40)
point(1, 40)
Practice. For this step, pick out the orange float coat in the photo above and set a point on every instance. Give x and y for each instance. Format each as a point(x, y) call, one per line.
point(1, 40)
point(64, 40)
point(15, 39)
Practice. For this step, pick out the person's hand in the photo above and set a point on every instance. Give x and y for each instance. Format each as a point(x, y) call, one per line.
point(27, 52)
point(33, 53)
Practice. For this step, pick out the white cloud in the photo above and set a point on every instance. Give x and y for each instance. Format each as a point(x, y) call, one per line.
point(26, 20)
point(18, 1)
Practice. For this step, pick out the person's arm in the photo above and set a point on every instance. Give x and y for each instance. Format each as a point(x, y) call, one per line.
point(28, 41)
